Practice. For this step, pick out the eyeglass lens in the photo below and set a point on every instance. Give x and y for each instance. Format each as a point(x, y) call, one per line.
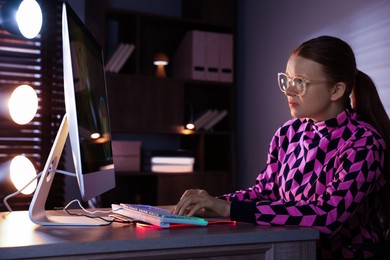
point(284, 82)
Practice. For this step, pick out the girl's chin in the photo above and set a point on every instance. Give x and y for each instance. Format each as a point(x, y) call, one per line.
point(295, 113)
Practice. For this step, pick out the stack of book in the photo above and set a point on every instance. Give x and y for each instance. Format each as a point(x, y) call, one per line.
point(169, 161)
point(209, 119)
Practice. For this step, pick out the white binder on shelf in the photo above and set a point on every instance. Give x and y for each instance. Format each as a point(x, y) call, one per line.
point(212, 56)
point(190, 58)
point(204, 56)
point(226, 57)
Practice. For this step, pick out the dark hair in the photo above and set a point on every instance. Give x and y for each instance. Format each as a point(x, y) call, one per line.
point(339, 64)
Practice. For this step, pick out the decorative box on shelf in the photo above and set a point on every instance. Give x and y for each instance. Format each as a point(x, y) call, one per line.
point(127, 155)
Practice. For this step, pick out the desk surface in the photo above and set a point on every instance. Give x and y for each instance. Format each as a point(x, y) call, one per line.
point(20, 238)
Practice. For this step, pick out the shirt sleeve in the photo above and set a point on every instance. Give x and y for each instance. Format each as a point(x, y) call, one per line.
point(355, 176)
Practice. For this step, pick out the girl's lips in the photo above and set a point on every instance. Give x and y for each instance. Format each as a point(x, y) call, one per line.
point(292, 103)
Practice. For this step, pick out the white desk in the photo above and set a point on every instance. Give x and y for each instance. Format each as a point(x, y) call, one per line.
point(20, 238)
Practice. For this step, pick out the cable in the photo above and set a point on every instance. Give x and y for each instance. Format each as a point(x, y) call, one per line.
point(109, 221)
point(65, 209)
point(24, 187)
point(84, 209)
point(18, 192)
point(71, 174)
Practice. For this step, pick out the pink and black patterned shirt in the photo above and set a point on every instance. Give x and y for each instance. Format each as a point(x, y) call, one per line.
point(322, 175)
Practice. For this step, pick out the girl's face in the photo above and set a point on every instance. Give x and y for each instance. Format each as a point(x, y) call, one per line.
point(316, 103)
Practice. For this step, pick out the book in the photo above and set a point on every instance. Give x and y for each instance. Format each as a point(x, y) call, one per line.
point(203, 119)
point(129, 48)
point(172, 160)
point(215, 120)
point(119, 57)
point(168, 153)
point(114, 57)
point(172, 168)
point(168, 161)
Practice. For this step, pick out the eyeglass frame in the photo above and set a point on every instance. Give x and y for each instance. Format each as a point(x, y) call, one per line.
point(305, 83)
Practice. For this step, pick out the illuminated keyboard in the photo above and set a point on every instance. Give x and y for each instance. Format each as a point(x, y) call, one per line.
point(155, 215)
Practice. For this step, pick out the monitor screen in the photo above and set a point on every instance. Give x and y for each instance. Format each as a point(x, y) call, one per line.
point(86, 123)
point(87, 109)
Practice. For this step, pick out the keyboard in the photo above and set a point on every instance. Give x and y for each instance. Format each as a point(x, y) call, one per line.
point(155, 215)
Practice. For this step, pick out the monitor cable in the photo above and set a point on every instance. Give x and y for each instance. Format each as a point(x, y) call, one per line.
point(5, 200)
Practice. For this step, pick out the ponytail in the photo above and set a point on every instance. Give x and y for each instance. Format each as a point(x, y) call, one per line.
point(366, 102)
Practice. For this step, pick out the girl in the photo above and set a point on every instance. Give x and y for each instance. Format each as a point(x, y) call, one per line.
point(326, 168)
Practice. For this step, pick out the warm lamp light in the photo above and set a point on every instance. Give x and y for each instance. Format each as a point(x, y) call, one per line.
point(21, 17)
point(23, 104)
point(95, 136)
point(190, 126)
point(161, 60)
point(23, 171)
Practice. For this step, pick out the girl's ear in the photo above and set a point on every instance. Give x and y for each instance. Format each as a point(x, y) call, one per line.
point(338, 91)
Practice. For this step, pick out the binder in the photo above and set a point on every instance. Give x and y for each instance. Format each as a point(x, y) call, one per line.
point(212, 56)
point(226, 57)
point(190, 58)
point(204, 56)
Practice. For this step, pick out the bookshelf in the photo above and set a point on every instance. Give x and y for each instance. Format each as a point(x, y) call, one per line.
point(154, 110)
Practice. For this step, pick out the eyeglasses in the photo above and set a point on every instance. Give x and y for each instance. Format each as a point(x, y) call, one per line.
point(299, 84)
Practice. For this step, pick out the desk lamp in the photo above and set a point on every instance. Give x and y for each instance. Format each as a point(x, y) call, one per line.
point(190, 123)
point(160, 60)
point(21, 17)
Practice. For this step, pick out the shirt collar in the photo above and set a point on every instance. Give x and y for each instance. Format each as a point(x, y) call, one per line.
point(327, 126)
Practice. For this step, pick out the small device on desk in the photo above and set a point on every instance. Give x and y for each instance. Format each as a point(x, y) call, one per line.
point(155, 215)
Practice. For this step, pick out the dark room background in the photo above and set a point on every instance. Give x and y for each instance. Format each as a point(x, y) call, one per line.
point(267, 31)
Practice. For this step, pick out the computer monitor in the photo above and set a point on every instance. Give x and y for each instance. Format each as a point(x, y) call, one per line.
point(86, 122)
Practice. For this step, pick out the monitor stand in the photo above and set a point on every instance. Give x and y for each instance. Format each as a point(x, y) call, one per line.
point(37, 211)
